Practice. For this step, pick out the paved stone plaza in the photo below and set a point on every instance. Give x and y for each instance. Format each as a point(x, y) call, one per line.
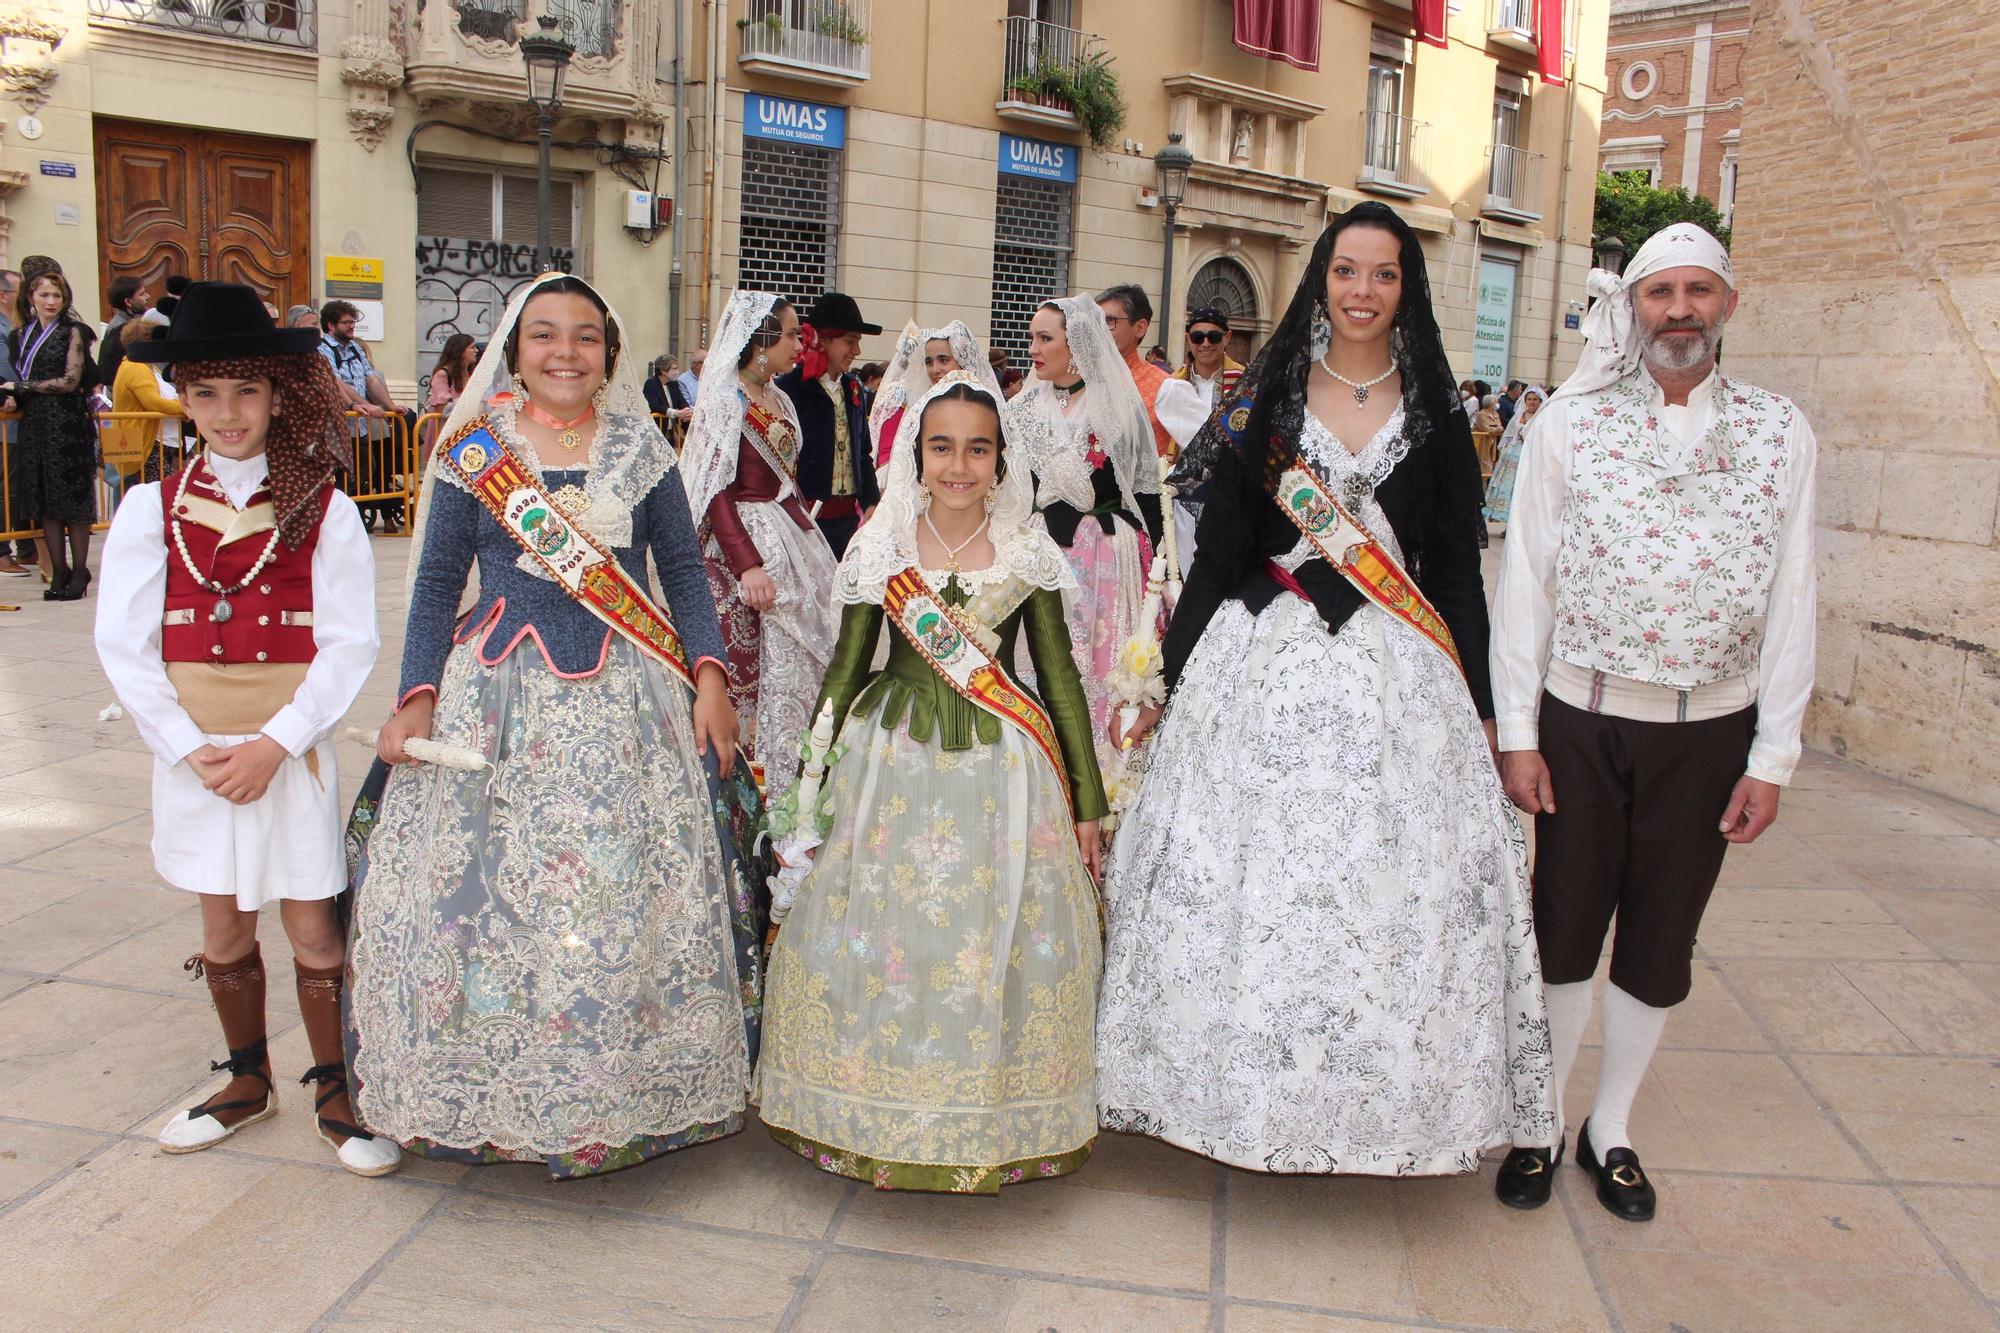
point(1823, 1122)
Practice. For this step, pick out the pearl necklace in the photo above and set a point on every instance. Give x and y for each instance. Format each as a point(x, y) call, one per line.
point(223, 610)
point(950, 551)
point(1360, 387)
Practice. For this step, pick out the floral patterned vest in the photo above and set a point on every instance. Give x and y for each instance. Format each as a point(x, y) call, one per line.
point(1668, 553)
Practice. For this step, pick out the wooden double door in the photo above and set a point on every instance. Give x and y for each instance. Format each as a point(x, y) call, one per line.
point(228, 207)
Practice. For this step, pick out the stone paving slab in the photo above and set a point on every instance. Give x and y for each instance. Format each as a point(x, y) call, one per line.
point(1823, 1121)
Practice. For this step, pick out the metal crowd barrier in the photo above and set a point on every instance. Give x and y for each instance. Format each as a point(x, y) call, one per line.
point(386, 479)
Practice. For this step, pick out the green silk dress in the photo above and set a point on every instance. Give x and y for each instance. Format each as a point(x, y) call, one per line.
point(931, 1012)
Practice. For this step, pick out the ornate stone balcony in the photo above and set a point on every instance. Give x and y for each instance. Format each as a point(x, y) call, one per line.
point(276, 22)
point(465, 54)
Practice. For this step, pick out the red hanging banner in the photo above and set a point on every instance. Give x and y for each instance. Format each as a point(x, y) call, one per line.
point(1549, 40)
point(1286, 30)
point(1430, 22)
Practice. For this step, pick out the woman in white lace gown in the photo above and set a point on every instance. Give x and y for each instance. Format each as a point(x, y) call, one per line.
point(1081, 425)
point(769, 567)
point(555, 958)
point(1320, 956)
point(933, 989)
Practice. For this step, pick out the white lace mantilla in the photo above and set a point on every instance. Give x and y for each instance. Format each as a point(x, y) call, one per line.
point(887, 542)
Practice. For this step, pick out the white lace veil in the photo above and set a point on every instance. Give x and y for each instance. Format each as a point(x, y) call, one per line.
point(1519, 421)
point(1112, 410)
point(627, 458)
point(906, 380)
point(708, 454)
point(886, 545)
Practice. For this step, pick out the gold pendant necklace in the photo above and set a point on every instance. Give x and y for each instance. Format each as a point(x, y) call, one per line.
point(950, 551)
point(567, 435)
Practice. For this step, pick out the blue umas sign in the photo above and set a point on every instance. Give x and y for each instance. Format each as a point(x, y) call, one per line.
point(1037, 158)
point(791, 121)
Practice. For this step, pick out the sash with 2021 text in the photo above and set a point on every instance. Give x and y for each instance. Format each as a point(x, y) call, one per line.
point(582, 568)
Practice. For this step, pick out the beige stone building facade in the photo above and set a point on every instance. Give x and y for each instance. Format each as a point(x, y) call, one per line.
point(1882, 318)
point(954, 194)
point(366, 148)
point(1674, 89)
point(887, 147)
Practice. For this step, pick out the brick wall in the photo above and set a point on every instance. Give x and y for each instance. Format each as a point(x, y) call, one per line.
point(1671, 45)
point(1869, 265)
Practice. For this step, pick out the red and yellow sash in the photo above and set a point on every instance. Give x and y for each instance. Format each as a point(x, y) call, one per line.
point(941, 636)
point(779, 438)
point(586, 571)
point(1367, 564)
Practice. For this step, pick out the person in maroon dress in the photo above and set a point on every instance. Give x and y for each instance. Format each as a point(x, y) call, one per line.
point(769, 565)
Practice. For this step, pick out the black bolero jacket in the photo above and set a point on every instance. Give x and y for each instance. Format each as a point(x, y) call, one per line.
point(1432, 501)
point(816, 436)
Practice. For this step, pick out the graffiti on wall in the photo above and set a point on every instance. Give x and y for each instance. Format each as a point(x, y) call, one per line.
point(463, 286)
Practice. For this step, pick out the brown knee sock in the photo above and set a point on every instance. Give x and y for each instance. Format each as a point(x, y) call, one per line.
point(238, 991)
point(319, 1005)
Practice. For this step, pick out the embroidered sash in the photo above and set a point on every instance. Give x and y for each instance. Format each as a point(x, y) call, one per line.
point(583, 569)
point(944, 640)
point(1341, 540)
point(775, 433)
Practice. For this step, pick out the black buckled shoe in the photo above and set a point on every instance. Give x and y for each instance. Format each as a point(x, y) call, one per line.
point(1622, 1186)
point(1527, 1176)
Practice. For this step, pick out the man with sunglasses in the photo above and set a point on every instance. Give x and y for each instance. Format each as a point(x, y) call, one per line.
point(1209, 367)
point(1189, 396)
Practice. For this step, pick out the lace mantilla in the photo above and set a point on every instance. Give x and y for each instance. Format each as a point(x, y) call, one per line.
point(887, 543)
point(628, 457)
point(1057, 447)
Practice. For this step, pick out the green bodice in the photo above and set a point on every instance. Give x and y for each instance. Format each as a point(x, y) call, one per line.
point(908, 689)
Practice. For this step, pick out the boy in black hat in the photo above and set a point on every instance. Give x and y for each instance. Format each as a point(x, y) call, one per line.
point(836, 470)
point(237, 623)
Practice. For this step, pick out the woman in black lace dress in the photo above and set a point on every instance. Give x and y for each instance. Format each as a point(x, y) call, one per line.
point(58, 439)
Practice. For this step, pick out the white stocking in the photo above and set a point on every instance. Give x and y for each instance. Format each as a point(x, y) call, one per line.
point(1631, 1033)
point(1569, 1015)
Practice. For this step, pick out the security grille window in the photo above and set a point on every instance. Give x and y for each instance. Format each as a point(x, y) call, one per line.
point(1031, 245)
point(791, 219)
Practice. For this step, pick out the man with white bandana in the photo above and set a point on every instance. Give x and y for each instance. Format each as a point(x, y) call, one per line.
point(1652, 656)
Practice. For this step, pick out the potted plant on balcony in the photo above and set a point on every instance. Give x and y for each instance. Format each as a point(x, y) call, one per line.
point(838, 22)
point(1088, 89)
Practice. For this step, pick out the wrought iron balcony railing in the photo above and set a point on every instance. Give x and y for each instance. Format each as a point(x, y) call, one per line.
point(1394, 154)
point(1042, 58)
point(591, 26)
point(279, 22)
point(1514, 183)
point(808, 38)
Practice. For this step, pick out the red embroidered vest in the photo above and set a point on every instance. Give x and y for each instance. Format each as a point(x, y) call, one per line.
point(271, 619)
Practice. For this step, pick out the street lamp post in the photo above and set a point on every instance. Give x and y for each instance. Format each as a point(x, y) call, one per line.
point(547, 58)
point(1610, 254)
point(1173, 163)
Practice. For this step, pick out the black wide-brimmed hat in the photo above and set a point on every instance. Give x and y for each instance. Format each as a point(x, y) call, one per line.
point(835, 312)
point(222, 321)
